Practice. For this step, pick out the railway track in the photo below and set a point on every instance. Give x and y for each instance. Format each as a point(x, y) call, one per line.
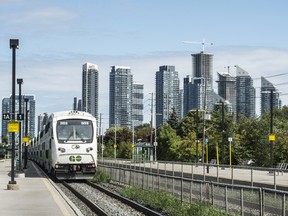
point(101, 201)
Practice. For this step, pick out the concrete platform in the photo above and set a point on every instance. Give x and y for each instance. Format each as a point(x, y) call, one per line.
point(33, 194)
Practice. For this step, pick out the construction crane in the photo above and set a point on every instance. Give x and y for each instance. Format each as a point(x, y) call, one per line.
point(195, 42)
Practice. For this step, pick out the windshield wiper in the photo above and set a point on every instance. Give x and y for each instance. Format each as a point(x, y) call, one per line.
point(69, 137)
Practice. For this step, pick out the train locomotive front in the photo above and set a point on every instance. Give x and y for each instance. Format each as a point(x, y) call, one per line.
point(76, 146)
point(67, 147)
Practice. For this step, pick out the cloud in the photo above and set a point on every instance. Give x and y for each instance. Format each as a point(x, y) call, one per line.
point(24, 15)
point(49, 14)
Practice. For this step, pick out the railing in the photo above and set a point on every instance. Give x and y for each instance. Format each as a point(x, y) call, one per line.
point(244, 175)
point(172, 178)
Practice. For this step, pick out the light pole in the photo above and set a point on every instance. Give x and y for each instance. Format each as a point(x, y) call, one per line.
point(115, 139)
point(222, 128)
point(102, 146)
point(26, 132)
point(272, 137)
point(155, 144)
point(197, 138)
point(20, 82)
point(230, 151)
point(133, 140)
point(14, 43)
point(155, 138)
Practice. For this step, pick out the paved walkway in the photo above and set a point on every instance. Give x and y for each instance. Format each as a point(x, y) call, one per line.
point(36, 194)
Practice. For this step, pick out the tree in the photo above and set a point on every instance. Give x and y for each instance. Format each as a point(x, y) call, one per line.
point(188, 124)
point(5, 139)
point(215, 132)
point(143, 132)
point(167, 143)
point(280, 129)
point(173, 119)
point(123, 142)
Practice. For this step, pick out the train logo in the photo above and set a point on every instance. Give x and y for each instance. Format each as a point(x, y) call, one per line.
point(73, 158)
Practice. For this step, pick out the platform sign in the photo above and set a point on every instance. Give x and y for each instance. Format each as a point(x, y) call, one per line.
point(20, 116)
point(6, 116)
point(25, 139)
point(13, 126)
point(271, 137)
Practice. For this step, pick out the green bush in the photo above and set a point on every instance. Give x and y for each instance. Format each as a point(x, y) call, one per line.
point(100, 177)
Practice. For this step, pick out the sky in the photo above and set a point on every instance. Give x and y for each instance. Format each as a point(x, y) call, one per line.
point(56, 37)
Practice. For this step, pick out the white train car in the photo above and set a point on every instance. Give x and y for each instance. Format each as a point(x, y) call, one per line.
point(67, 146)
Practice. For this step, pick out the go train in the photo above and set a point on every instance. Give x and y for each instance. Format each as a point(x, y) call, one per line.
point(67, 146)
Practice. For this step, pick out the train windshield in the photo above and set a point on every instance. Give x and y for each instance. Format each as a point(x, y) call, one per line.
point(74, 130)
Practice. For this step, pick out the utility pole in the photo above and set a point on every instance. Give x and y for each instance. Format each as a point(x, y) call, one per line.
point(115, 145)
point(197, 139)
point(155, 141)
point(204, 114)
point(223, 130)
point(151, 135)
point(271, 129)
point(100, 122)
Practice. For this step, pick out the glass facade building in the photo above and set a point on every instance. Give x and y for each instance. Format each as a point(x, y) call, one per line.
point(120, 96)
point(202, 73)
point(167, 94)
point(137, 104)
point(90, 88)
point(245, 94)
point(227, 88)
point(199, 86)
point(267, 88)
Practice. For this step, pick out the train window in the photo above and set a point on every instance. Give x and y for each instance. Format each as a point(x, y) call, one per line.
point(74, 130)
point(47, 154)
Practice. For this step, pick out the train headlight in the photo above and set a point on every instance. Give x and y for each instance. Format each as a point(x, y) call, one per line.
point(89, 149)
point(62, 150)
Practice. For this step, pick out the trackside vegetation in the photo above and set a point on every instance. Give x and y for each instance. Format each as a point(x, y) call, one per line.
point(160, 201)
point(100, 177)
point(167, 203)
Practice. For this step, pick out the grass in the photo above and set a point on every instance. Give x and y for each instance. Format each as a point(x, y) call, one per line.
point(100, 177)
point(168, 204)
point(161, 201)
